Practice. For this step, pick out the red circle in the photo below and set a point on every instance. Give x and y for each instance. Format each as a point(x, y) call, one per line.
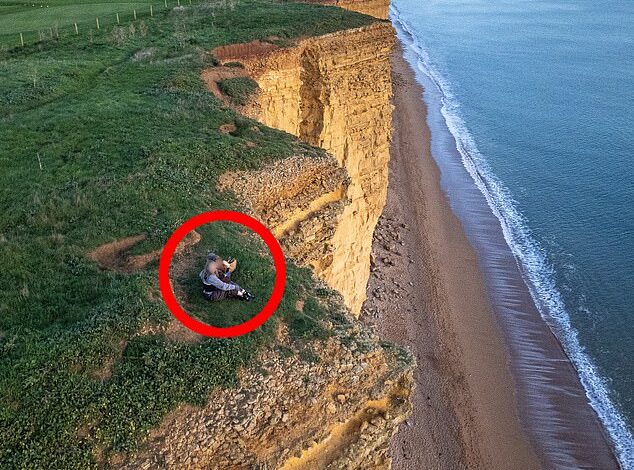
point(198, 326)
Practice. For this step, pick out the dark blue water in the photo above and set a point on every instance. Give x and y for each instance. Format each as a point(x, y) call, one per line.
point(539, 96)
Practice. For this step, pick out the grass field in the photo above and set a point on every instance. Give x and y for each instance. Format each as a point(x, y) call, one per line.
point(59, 16)
point(108, 135)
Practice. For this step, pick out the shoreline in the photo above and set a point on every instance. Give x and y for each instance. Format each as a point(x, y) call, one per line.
point(497, 384)
point(555, 408)
point(432, 299)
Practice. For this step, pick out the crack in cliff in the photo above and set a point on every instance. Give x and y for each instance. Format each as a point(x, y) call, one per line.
point(311, 106)
point(315, 206)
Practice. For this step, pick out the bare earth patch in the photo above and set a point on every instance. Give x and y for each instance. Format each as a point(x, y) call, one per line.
point(114, 256)
point(213, 75)
point(228, 54)
point(234, 52)
point(227, 128)
point(177, 332)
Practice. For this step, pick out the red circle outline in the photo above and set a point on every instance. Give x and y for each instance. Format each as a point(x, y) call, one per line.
point(203, 328)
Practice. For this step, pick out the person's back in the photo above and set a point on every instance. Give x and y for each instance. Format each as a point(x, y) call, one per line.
point(216, 279)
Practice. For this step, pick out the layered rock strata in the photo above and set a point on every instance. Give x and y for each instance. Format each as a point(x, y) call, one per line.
point(333, 92)
point(300, 199)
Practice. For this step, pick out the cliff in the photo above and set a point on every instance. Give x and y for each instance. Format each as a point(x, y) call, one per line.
point(333, 92)
point(96, 373)
point(325, 404)
point(376, 8)
point(301, 199)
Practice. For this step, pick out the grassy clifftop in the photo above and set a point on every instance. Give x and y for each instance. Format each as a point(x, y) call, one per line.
point(109, 135)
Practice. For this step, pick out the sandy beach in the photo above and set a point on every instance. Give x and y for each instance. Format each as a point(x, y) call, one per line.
point(426, 293)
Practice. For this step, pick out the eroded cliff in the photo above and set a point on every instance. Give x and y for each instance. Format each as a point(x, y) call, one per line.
point(301, 200)
point(317, 405)
point(333, 402)
point(376, 8)
point(333, 92)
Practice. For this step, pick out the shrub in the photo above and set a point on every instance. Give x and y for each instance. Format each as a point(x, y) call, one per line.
point(238, 89)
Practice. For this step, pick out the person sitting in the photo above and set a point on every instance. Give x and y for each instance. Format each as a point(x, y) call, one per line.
point(217, 283)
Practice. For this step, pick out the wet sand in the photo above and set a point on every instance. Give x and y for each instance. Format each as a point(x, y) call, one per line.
point(426, 292)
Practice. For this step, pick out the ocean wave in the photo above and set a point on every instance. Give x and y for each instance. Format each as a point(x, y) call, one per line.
point(539, 274)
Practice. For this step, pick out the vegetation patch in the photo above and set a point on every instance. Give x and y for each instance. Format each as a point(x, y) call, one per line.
point(238, 89)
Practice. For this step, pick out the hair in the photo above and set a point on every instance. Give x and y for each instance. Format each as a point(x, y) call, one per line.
point(211, 266)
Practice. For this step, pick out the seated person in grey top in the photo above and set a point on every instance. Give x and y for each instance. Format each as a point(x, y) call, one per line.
point(216, 278)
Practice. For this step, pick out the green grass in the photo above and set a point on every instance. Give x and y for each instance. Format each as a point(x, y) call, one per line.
point(95, 146)
point(55, 16)
point(239, 89)
point(34, 18)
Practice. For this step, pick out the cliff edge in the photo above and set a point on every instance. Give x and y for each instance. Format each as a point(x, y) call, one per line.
point(333, 402)
point(334, 92)
point(376, 8)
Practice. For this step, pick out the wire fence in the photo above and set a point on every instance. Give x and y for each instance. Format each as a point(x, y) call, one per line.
point(100, 23)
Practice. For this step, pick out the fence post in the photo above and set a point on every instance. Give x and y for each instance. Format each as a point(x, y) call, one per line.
point(151, 12)
point(22, 39)
point(134, 14)
point(165, 3)
point(118, 18)
point(97, 23)
point(76, 30)
point(178, 2)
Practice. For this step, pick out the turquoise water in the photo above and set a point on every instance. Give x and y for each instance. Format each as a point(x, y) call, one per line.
point(540, 95)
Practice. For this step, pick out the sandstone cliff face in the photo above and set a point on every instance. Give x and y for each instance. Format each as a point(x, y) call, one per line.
point(300, 199)
point(332, 92)
point(376, 8)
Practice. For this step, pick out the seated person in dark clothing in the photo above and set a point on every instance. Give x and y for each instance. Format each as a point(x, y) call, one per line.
point(216, 278)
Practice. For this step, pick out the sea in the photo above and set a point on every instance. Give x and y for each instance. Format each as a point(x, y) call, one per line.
point(531, 109)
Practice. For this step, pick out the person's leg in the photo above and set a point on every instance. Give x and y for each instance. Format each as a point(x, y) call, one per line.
point(217, 294)
point(232, 293)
